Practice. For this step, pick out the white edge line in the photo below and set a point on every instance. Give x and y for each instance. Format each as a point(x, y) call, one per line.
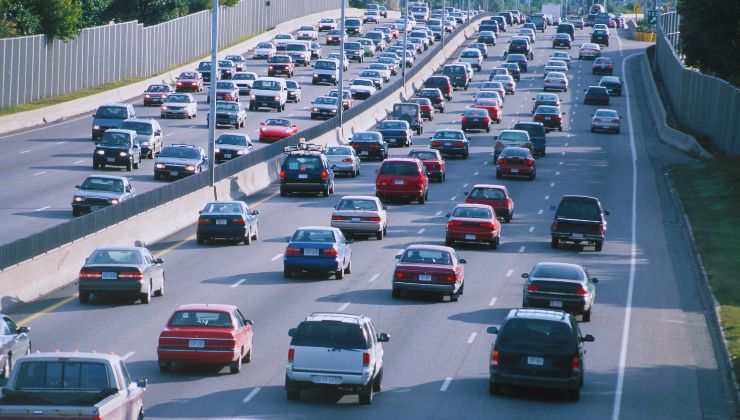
point(493, 301)
point(253, 393)
point(509, 272)
point(42, 208)
point(446, 384)
point(374, 277)
point(472, 337)
point(276, 257)
point(343, 307)
point(239, 283)
point(128, 355)
point(421, 231)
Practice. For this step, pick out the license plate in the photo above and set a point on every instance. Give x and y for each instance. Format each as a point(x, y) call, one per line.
point(515, 171)
point(327, 380)
point(363, 153)
point(356, 219)
point(302, 176)
point(173, 173)
point(425, 277)
point(398, 182)
point(448, 143)
point(311, 252)
point(221, 221)
point(548, 118)
point(535, 361)
point(476, 119)
point(109, 275)
point(577, 236)
point(227, 155)
point(196, 344)
point(556, 303)
point(469, 237)
point(111, 159)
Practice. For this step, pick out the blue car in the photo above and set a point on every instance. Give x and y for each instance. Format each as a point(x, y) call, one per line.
point(318, 249)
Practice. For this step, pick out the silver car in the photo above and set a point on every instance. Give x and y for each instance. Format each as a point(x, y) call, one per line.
point(343, 159)
point(607, 120)
point(148, 135)
point(508, 82)
point(360, 215)
point(556, 80)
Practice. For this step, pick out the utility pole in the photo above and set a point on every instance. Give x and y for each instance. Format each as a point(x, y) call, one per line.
point(405, 46)
point(212, 96)
point(444, 21)
point(340, 105)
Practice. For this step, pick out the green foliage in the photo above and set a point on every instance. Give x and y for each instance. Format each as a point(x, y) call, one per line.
point(58, 18)
point(17, 18)
point(710, 36)
point(93, 12)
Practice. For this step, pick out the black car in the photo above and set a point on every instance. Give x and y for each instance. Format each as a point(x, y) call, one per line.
point(179, 160)
point(560, 286)
point(596, 95)
point(411, 113)
point(612, 84)
point(520, 46)
point(118, 147)
point(579, 220)
point(306, 169)
point(514, 70)
point(487, 38)
point(354, 51)
point(458, 75)
point(450, 142)
point(229, 220)
point(204, 68)
point(519, 59)
point(369, 145)
point(538, 348)
point(537, 135)
point(230, 114)
point(567, 28)
point(110, 116)
point(395, 132)
point(601, 37)
point(562, 41)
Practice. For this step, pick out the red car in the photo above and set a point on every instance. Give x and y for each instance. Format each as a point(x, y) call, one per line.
point(157, 94)
point(189, 81)
point(473, 223)
point(476, 119)
point(549, 116)
point(496, 196)
point(429, 269)
point(427, 109)
point(492, 105)
point(274, 129)
point(432, 160)
point(402, 178)
point(516, 161)
point(442, 83)
point(205, 334)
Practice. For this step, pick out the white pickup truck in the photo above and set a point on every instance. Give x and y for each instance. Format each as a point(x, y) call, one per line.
point(72, 386)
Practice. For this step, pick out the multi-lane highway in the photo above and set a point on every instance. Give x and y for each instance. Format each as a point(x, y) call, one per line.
point(652, 357)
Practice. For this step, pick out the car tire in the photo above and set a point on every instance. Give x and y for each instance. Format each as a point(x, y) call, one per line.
point(129, 166)
point(599, 246)
point(378, 381)
point(348, 270)
point(283, 193)
point(137, 165)
point(533, 176)
point(366, 394)
point(574, 394)
point(494, 389)
point(146, 298)
point(395, 293)
point(554, 243)
point(236, 367)
point(160, 291)
point(339, 274)
point(498, 174)
point(248, 238)
point(200, 240)
point(287, 273)
point(164, 366)
point(379, 235)
point(488, 129)
point(494, 243)
point(586, 316)
point(84, 297)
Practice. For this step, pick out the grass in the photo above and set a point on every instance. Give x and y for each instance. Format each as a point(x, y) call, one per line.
point(710, 192)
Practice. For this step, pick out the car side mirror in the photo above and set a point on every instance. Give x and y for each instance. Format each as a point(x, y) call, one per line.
point(142, 383)
point(158, 261)
point(492, 330)
point(291, 332)
point(588, 338)
point(594, 280)
point(156, 155)
point(525, 275)
point(606, 212)
point(384, 338)
point(249, 322)
point(397, 256)
point(23, 330)
point(77, 187)
point(463, 261)
point(254, 212)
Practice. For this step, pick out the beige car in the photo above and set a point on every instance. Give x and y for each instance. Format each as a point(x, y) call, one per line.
point(508, 82)
point(357, 215)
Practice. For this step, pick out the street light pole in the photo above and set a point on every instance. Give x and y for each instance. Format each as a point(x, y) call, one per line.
point(444, 21)
point(340, 107)
point(212, 96)
point(405, 46)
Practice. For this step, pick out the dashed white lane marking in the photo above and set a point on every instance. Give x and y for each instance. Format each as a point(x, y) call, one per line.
point(531, 229)
point(77, 162)
point(561, 163)
point(472, 337)
point(493, 301)
point(566, 144)
point(374, 277)
point(42, 208)
point(253, 393)
point(23, 152)
point(485, 162)
point(275, 258)
point(439, 213)
point(239, 283)
point(540, 211)
point(509, 272)
point(557, 173)
point(396, 231)
point(128, 355)
point(420, 231)
point(552, 185)
point(522, 249)
point(453, 198)
point(343, 307)
point(475, 173)
point(60, 142)
point(547, 197)
point(465, 185)
point(562, 153)
point(446, 384)
point(39, 173)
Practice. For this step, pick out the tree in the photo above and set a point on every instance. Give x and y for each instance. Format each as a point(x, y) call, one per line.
point(58, 18)
point(17, 18)
point(710, 36)
point(93, 12)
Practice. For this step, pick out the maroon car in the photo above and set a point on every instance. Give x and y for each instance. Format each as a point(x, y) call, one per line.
point(429, 269)
point(516, 162)
point(157, 94)
point(550, 116)
point(433, 161)
point(189, 81)
point(427, 109)
point(442, 83)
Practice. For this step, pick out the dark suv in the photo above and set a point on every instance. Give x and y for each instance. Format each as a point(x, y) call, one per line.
point(537, 135)
point(442, 83)
point(179, 160)
point(538, 348)
point(458, 75)
point(306, 169)
point(521, 46)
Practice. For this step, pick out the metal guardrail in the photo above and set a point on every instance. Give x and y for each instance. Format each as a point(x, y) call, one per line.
point(38, 243)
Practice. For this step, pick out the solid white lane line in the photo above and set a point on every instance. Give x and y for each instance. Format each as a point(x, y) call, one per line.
point(23, 152)
point(374, 277)
point(522, 248)
point(566, 144)
point(446, 384)
point(472, 337)
point(562, 153)
point(509, 272)
point(420, 231)
point(343, 307)
point(396, 231)
point(531, 229)
point(42, 208)
point(454, 197)
point(128, 355)
point(439, 213)
point(633, 256)
point(493, 301)
point(61, 142)
point(540, 211)
point(253, 393)
point(39, 173)
point(239, 283)
point(276, 257)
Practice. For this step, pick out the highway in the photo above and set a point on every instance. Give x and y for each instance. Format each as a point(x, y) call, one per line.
point(42, 165)
point(436, 364)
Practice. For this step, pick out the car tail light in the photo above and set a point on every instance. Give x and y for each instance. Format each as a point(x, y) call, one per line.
point(449, 278)
point(203, 221)
point(375, 146)
point(338, 217)
point(293, 251)
point(509, 203)
point(90, 275)
point(580, 291)
point(365, 359)
point(373, 219)
point(487, 225)
point(291, 355)
point(324, 175)
point(575, 364)
point(400, 275)
point(282, 174)
point(436, 143)
point(494, 358)
point(238, 221)
point(502, 161)
point(533, 288)
point(329, 252)
point(459, 144)
point(454, 223)
point(464, 120)
point(602, 229)
point(347, 160)
point(530, 162)
point(131, 275)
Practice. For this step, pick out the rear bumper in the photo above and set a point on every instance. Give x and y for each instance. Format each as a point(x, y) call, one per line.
point(349, 383)
point(221, 232)
point(575, 238)
point(568, 304)
point(205, 357)
point(304, 186)
point(382, 194)
point(501, 378)
point(358, 227)
point(468, 236)
point(522, 172)
point(445, 150)
point(443, 289)
point(317, 264)
point(114, 287)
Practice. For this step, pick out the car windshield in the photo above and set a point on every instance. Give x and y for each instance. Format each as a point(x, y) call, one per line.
point(518, 152)
point(207, 319)
point(314, 235)
point(423, 155)
point(519, 42)
point(188, 75)
point(536, 333)
point(280, 59)
point(226, 63)
point(378, 66)
point(558, 271)
point(326, 65)
point(605, 113)
point(226, 107)
point(399, 169)
point(487, 194)
point(282, 122)
point(329, 334)
point(393, 125)
point(454, 70)
point(448, 135)
point(297, 47)
point(102, 184)
point(421, 101)
point(338, 151)
point(362, 82)
point(430, 93)
point(472, 212)
point(223, 208)
point(113, 112)
point(225, 85)
point(232, 140)
point(235, 58)
point(158, 88)
point(335, 32)
point(426, 256)
point(48, 376)
point(265, 85)
point(179, 153)
point(178, 99)
point(370, 74)
point(487, 94)
point(303, 163)
point(357, 204)
point(326, 100)
point(115, 256)
point(366, 137)
point(115, 139)
point(283, 36)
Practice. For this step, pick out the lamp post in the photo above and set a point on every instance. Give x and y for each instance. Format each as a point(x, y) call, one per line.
point(340, 107)
point(405, 41)
point(212, 95)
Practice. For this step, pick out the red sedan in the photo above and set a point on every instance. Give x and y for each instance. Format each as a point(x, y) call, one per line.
point(516, 161)
point(275, 129)
point(157, 94)
point(496, 196)
point(433, 161)
point(189, 81)
point(473, 223)
point(429, 269)
point(492, 105)
point(206, 334)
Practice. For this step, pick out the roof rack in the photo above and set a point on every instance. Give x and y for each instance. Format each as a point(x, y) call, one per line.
point(304, 147)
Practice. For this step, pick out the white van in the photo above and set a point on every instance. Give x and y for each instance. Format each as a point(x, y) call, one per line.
point(268, 92)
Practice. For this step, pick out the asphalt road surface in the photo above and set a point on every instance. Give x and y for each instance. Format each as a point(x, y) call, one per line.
point(436, 364)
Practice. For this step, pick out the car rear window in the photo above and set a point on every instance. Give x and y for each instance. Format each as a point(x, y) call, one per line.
point(303, 163)
point(487, 194)
point(472, 212)
point(519, 152)
point(209, 319)
point(51, 375)
point(427, 256)
point(534, 130)
point(313, 235)
point(423, 155)
point(222, 208)
point(579, 209)
point(115, 257)
point(338, 151)
point(399, 169)
point(597, 91)
point(357, 204)
point(476, 113)
point(553, 271)
point(367, 137)
point(329, 334)
point(538, 333)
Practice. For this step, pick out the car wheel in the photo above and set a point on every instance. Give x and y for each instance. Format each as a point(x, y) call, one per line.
point(137, 164)
point(146, 298)
point(366, 394)
point(379, 235)
point(160, 292)
point(129, 166)
point(287, 273)
point(495, 242)
point(587, 315)
point(164, 366)
point(488, 129)
point(236, 367)
point(574, 394)
point(395, 293)
point(84, 297)
point(293, 394)
point(339, 274)
point(554, 243)
point(378, 382)
point(498, 174)
point(248, 238)
point(494, 389)
point(283, 193)
point(599, 246)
